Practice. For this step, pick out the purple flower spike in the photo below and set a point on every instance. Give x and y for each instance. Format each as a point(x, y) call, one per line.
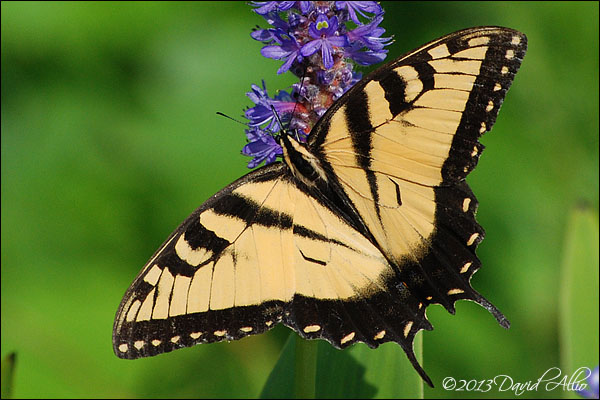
point(312, 41)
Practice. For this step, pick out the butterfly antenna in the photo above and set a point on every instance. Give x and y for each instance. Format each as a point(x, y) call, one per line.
point(297, 99)
point(278, 119)
point(227, 116)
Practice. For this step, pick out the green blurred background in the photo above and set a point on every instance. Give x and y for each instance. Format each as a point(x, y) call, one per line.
point(110, 139)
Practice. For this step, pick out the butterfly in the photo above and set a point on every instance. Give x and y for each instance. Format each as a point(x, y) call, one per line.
point(354, 233)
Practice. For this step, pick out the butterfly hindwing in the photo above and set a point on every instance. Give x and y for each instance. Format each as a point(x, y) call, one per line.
point(259, 252)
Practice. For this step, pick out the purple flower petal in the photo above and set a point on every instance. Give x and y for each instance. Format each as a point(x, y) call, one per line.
point(361, 7)
point(305, 6)
point(263, 147)
point(370, 35)
point(276, 52)
point(265, 7)
point(327, 54)
point(339, 41)
point(310, 48)
point(323, 27)
point(287, 64)
point(366, 57)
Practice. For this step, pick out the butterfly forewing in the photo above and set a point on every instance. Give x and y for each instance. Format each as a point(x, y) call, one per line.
point(400, 144)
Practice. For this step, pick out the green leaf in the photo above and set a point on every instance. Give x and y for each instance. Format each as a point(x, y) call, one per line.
point(305, 367)
point(579, 294)
point(361, 372)
point(357, 372)
point(280, 383)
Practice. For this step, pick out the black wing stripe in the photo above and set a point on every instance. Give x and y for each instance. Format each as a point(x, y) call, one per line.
point(358, 119)
point(395, 92)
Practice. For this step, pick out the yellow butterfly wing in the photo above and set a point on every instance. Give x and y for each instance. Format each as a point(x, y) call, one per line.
point(261, 251)
point(400, 144)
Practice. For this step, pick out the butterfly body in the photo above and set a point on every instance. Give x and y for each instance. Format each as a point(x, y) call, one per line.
point(356, 232)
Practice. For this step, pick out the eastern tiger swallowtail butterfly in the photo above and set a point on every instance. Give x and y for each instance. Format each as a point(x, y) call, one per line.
point(356, 232)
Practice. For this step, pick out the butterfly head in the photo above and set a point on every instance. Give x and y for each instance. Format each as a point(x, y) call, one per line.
point(303, 164)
